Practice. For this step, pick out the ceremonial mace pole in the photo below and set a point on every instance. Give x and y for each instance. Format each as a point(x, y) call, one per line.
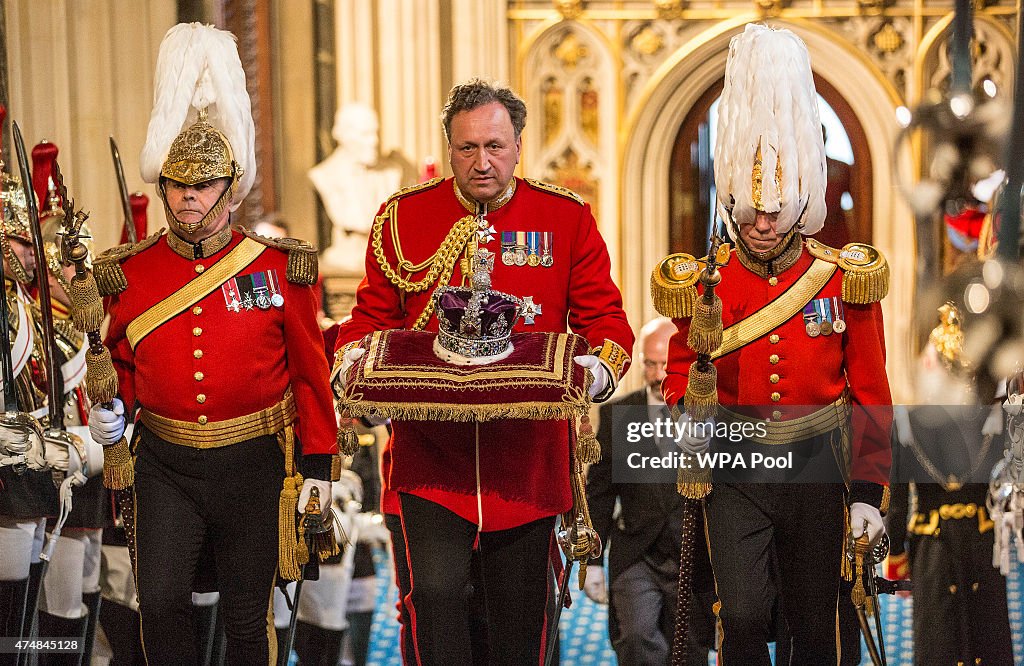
point(701, 403)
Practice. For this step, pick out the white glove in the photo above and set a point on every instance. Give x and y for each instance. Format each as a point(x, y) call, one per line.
point(347, 361)
point(602, 378)
point(21, 438)
point(696, 435)
point(596, 588)
point(861, 513)
point(307, 488)
point(107, 425)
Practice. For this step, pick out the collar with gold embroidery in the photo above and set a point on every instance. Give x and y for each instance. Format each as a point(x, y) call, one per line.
point(489, 207)
point(775, 261)
point(204, 248)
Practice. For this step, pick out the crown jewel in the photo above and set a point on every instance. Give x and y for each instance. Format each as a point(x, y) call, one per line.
point(475, 324)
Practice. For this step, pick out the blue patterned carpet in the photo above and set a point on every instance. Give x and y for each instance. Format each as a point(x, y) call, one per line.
point(584, 626)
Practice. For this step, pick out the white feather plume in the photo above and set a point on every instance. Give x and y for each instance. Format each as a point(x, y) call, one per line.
point(769, 102)
point(198, 67)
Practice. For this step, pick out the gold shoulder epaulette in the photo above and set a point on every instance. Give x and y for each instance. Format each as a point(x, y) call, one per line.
point(303, 267)
point(106, 268)
point(674, 285)
point(555, 189)
point(865, 270)
point(406, 191)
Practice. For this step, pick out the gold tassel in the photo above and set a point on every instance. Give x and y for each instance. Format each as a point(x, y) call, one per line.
point(118, 466)
point(348, 440)
point(588, 449)
point(86, 303)
point(701, 398)
point(694, 483)
point(110, 278)
point(335, 468)
point(302, 266)
point(674, 285)
point(325, 545)
point(866, 285)
point(289, 557)
point(706, 327)
point(100, 378)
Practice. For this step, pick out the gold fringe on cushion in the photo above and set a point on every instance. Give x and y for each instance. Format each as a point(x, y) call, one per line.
point(701, 398)
point(118, 466)
point(694, 483)
point(110, 278)
point(706, 327)
point(86, 303)
point(292, 551)
point(100, 377)
point(588, 449)
point(674, 285)
point(467, 413)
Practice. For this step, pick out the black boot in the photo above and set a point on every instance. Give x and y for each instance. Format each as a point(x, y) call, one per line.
point(92, 602)
point(316, 646)
point(35, 581)
point(121, 627)
point(12, 610)
point(204, 620)
point(54, 626)
point(359, 625)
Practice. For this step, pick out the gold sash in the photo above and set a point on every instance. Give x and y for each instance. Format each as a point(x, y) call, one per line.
point(777, 312)
point(194, 291)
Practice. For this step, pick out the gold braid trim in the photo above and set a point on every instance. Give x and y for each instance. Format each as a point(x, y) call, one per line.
point(674, 285)
point(303, 267)
point(555, 189)
point(107, 267)
point(442, 261)
point(865, 270)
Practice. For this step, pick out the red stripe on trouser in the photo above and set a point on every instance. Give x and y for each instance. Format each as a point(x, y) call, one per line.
point(555, 560)
point(408, 598)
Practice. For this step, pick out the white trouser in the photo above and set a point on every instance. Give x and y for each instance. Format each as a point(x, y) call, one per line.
point(74, 570)
point(21, 542)
point(117, 581)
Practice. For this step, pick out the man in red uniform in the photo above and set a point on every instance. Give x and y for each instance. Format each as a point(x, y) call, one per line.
point(495, 485)
point(802, 349)
point(219, 358)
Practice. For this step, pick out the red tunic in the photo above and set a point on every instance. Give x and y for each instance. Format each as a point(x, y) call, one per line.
point(808, 371)
point(212, 362)
point(498, 474)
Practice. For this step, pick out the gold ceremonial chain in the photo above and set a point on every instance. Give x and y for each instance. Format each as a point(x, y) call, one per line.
point(441, 263)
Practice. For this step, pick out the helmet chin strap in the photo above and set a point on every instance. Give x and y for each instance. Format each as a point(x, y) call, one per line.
point(189, 228)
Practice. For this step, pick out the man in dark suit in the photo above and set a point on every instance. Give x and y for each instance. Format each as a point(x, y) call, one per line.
point(643, 540)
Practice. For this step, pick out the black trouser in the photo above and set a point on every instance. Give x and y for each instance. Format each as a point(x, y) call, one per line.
point(802, 524)
point(191, 504)
point(437, 593)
